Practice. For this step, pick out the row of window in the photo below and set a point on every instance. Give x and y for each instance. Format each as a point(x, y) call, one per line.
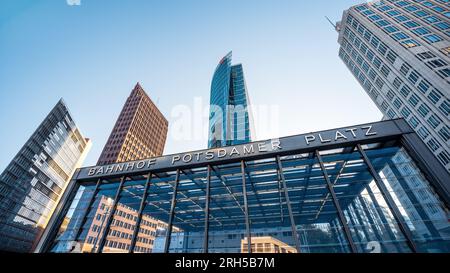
point(404, 39)
point(433, 95)
point(444, 132)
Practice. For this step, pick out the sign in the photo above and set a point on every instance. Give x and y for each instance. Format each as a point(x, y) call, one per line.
point(325, 139)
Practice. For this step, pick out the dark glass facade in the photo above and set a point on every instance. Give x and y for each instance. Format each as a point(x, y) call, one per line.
point(229, 120)
point(33, 183)
point(367, 189)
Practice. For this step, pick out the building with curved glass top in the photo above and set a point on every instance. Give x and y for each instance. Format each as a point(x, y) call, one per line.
point(229, 120)
point(364, 188)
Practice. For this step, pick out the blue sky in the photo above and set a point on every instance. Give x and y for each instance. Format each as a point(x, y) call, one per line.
point(92, 55)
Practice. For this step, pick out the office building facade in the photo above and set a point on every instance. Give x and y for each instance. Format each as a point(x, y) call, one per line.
point(140, 131)
point(230, 121)
point(32, 184)
point(399, 51)
point(364, 188)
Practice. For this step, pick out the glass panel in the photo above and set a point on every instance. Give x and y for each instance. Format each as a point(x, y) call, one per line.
point(66, 240)
point(97, 217)
point(270, 222)
point(421, 208)
point(156, 214)
point(314, 212)
point(371, 222)
point(227, 231)
point(125, 216)
point(189, 218)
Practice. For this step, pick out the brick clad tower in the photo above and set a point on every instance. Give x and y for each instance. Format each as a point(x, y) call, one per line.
point(140, 131)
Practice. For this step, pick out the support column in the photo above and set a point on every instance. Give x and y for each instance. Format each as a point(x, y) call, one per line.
point(88, 209)
point(110, 217)
point(139, 216)
point(336, 204)
point(288, 203)
point(172, 211)
point(389, 200)
point(208, 189)
point(247, 221)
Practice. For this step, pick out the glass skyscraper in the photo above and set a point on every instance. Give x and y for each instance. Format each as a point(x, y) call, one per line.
point(230, 120)
point(34, 181)
point(399, 51)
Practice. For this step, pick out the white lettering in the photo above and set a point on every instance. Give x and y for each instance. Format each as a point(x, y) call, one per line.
point(262, 147)
point(324, 140)
point(248, 149)
point(100, 171)
point(276, 144)
point(353, 130)
point(234, 151)
point(309, 139)
point(369, 131)
point(187, 158)
point(91, 172)
point(221, 153)
point(151, 162)
point(339, 135)
point(140, 165)
point(209, 155)
point(175, 158)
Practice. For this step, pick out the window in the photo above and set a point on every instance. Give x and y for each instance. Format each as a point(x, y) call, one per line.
point(434, 121)
point(444, 157)
point(405, 91)
point(397, 83)
point(405, 69)
point(434, 96)
point(397, 103)
point(414, 100)
point(426, 55)
point(391, 29)
point(446, 50)
point(406, 112)
point(400, 36)
point(433, 38)
point(410, 43)
point(444, 72)
point(445, 107)
point(382, 23)
point(424, 110)
point(401, 18)
point(423, 132)
point(433, 144)
point(421, 31)
point(432, 19)
point(410, 24)
point(375, 18)
point(413, 77)
point(391, 57)
point(444, 133)
point(442, 25)
point(414, 122)
point(423, 86)
point(436, 63)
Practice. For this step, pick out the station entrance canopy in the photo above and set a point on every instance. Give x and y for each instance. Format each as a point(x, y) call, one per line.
point(367, 188)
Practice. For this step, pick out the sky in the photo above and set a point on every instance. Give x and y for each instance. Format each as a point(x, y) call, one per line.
point(93, 54)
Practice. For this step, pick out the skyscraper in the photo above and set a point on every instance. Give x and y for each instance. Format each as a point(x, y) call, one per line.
point(230, 122)
point(140, 131)
point(400, 53)
point(34, 181)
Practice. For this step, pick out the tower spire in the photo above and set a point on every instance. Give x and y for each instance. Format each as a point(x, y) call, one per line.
point(333, 24)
